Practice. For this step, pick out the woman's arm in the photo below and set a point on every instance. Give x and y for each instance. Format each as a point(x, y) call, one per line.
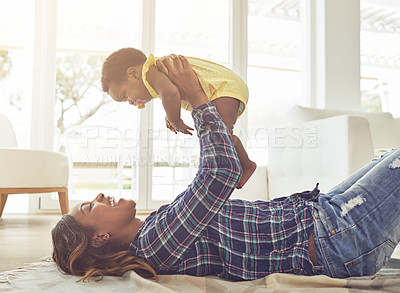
point(184, 78)
point(166, 236)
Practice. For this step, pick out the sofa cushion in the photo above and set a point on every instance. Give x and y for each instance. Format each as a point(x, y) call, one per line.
point(385, 130)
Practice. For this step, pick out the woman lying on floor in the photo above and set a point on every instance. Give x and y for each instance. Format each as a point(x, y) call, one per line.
point(350, 231)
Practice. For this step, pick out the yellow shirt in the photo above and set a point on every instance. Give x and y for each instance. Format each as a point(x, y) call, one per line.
point(216, 80)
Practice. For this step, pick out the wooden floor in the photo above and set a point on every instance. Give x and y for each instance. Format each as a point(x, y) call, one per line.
point(27, 238)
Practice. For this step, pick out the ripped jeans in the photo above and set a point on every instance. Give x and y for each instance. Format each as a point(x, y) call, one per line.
point(357, 223)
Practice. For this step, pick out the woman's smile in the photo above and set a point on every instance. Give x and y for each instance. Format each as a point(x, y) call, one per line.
point(112, 201)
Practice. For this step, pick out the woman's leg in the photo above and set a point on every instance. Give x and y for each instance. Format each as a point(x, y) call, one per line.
point(347, 183)
point(228, 108)
point(357, 230)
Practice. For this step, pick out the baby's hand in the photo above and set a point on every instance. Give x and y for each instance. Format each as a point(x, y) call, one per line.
point(169, 126)
point(178, 126)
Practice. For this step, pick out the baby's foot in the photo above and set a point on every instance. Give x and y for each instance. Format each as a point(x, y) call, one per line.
point(247, 172)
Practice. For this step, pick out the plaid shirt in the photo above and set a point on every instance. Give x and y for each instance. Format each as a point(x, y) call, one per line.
point(202, 232)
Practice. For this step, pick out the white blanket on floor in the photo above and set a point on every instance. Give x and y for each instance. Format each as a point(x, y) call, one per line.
point(44, 277)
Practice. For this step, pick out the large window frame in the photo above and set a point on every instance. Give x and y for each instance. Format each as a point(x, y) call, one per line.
point(43, 81)
point(317, 17)
point(43, 84)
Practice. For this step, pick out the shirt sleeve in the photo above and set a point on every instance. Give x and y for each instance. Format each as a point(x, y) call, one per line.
point(146, 66)
point(166, 236)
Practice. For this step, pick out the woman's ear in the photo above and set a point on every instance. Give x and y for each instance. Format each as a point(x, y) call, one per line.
point(133, 72)
point(100, 239)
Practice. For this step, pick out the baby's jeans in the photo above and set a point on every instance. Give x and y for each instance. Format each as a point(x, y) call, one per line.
point(357, 223)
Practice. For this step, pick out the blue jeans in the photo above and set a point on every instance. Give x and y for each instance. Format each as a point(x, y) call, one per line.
point(357, 223)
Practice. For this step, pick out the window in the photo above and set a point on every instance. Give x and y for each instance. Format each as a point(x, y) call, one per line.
point(98, 134)
point(115, 148)
point(380, 61)
point(202, 31)
point(274, 62)
point(15, 39)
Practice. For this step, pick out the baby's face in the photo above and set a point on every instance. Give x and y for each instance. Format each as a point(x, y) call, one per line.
point(131, 90)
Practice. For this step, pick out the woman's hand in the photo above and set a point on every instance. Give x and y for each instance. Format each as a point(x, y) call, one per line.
point(185, 79)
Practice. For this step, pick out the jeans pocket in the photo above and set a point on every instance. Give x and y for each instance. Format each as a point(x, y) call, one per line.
point(371, 262)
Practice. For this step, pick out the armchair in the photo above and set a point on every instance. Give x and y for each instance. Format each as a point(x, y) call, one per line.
point(30, 171)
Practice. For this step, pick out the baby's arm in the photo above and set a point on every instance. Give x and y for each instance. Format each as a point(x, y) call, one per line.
point(171, 99)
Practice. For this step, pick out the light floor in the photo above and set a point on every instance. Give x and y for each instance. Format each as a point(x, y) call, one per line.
point(27, 238)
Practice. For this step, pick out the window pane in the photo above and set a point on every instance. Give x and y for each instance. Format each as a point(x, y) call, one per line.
point(193, 28)
point(14, 92)
point(16, 22)
point(274, 63)
point(380, 58)
point(16, 30)
point(199, 29)
point(99, 134)
point(100, 25)
point(175, 157)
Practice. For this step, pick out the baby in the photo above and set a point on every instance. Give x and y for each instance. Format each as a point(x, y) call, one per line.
point(129, 76)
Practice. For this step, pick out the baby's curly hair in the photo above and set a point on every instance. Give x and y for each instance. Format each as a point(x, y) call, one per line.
point(115, 66)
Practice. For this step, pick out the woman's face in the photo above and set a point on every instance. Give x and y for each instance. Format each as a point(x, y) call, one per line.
point(106, 216)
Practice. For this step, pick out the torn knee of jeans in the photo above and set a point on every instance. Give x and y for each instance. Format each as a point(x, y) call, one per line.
point(352, 203)
point(395, 164)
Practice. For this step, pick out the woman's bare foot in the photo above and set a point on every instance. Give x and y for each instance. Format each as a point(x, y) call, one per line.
point(247, 172)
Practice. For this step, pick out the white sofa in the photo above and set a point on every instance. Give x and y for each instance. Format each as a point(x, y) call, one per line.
point(326, 146)
point(30, 171)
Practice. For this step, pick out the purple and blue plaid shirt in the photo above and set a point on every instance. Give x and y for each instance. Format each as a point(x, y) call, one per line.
point(203, 232)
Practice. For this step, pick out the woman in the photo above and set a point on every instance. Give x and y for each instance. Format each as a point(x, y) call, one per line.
point(350, 231)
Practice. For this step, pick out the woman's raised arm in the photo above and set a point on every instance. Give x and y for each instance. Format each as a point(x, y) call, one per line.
point(168, 233)
point(185, 79)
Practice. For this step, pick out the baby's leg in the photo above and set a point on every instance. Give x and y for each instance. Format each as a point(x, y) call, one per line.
point(228, 108)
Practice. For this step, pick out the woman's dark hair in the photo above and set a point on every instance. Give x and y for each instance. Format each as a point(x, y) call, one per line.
point(115, 66)
point(74, 255)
